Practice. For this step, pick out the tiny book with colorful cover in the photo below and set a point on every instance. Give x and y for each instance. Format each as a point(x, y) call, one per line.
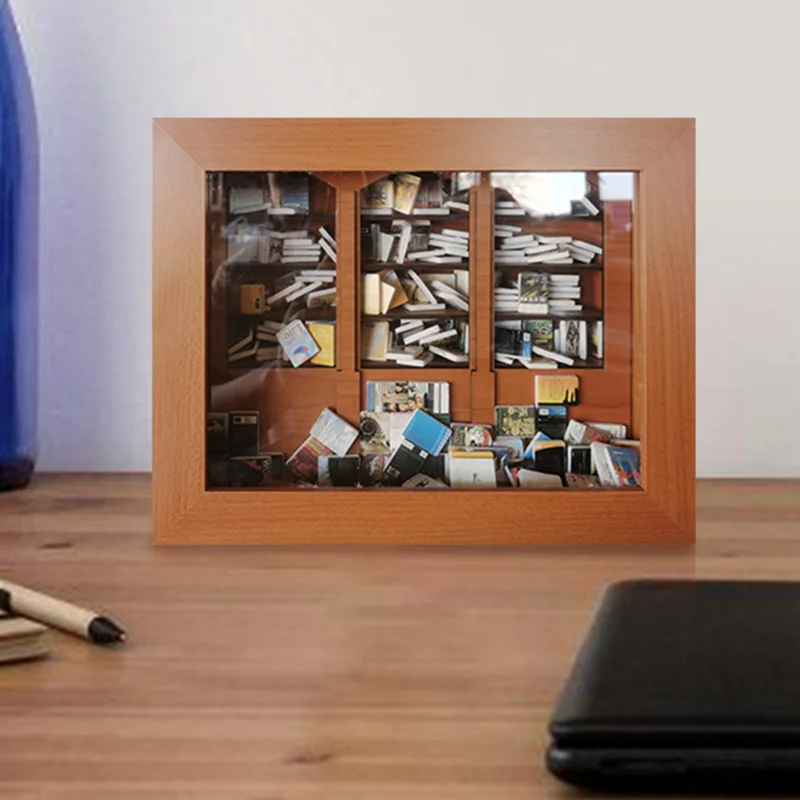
point(561, 390)
point(585, 433)
point(466, 435)
point(406, 462)
point(427, 433)
point(514, 420)
point(297, 343)
point(261, 470)
point(406, 187)
point(339, 470)
point(374, 432)
point(533, 293)
point(379, 194)
point(334, 433)
point(552, 420)
point(616, 466)
point(304, 460)
point(324, 334)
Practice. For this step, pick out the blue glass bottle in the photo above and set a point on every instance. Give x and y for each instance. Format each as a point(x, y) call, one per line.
point(19, 180)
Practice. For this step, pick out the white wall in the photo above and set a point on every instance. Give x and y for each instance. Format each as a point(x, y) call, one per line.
point(103, 68)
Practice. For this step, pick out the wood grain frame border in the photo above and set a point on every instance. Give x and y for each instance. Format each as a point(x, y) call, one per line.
point(661, 151)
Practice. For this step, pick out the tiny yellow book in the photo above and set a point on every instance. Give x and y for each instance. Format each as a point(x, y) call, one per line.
point(324, 334)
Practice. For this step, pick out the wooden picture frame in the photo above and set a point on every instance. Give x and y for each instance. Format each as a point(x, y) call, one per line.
point(347, 151)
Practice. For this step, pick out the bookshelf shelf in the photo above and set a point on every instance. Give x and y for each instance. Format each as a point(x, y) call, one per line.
point(565, 268)
point(453, 216)
point(273, 430)
point(586, 314)
point(441, 313)
point(379, 266)
point(437, 363)
point(279, 313)
point(580, 364)
point(247, 366)
point(525, 218)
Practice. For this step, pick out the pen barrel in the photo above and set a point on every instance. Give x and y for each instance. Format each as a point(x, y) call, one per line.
point(48, 610)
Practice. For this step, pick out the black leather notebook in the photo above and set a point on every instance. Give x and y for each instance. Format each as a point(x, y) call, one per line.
point(686, 683)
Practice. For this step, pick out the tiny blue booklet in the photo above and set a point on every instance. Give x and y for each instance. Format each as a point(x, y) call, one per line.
point(427, 433)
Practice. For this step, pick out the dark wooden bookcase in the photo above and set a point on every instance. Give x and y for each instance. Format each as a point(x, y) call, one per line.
point(642, 288)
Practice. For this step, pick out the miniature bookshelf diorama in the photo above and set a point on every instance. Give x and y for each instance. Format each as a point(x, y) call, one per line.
point(273, 300)
point(518, 344)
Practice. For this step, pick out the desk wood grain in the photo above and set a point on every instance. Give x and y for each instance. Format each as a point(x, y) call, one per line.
point(303, 674)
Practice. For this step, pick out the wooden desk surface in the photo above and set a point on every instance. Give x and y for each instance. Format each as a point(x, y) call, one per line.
point(281, 674)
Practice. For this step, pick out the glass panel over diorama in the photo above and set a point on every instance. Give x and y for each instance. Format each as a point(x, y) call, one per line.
point(460, 330)
point(272, 304)
point(562, 258)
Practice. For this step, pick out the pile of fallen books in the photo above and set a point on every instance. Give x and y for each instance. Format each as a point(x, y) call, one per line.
point(406, 437)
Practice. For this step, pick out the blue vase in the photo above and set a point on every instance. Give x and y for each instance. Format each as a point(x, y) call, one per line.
point(19, 235)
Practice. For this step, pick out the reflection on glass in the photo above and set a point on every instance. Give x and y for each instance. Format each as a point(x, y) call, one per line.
point(272, 308)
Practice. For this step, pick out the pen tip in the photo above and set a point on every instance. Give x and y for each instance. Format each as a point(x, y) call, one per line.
point(105, 631)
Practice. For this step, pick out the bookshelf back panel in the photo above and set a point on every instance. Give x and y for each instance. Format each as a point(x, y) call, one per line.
point(290, 402)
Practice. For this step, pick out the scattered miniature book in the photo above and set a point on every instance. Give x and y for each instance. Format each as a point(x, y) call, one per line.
point(339, 470)
point(616, 466)
point(533, 293)
point(467, 435)
point(534, 479)
point(513, 444)
point(304, 460)
point(422, 481)
point(373, 468)
point(405, 462)
point(406, 187)
point(585, 433)
point(579, 481)
point(378, 195)
point(21, 639)
point(552, 421)
point(616, 429)
point(243, 433)
point(514, 420)
point(374, 432)
point(252, 298)
point(375, 340)
point(217, 433)
point(427, 433)
point(430, 396)
point(334, 433)
point(472, 470)
point(297, 343)
point(550, 456)
point(579, 459)
point(573, 338)
point(553, 355)
point(324, 334)
point(561, 390)
point(260, 470)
